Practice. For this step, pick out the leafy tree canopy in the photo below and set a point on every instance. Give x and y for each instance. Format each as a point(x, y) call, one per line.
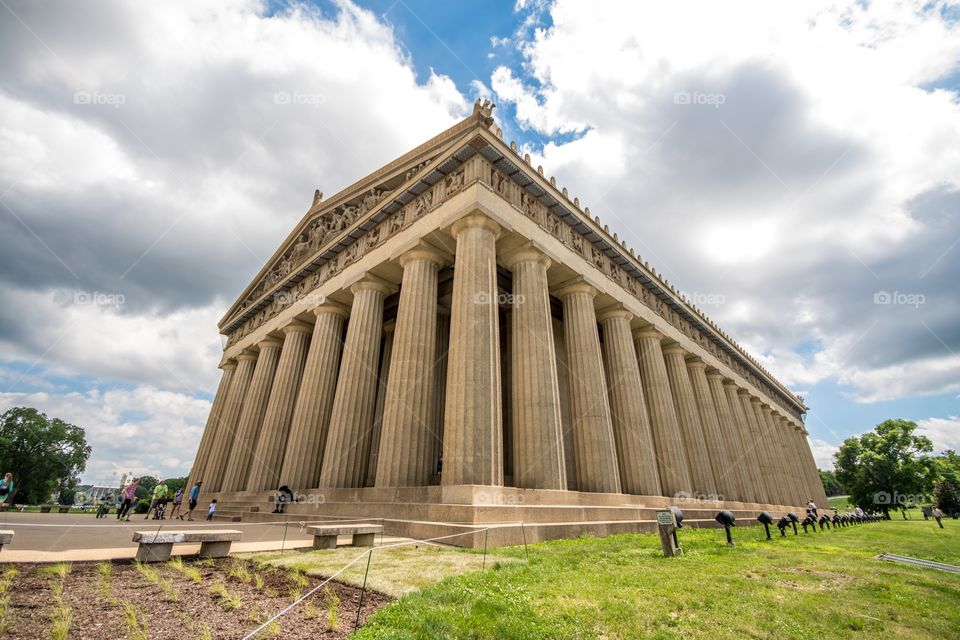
point(43, 454)
point(888, 466)
point(831, 485)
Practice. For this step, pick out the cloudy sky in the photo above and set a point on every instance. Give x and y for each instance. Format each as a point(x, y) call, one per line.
point(793, 167)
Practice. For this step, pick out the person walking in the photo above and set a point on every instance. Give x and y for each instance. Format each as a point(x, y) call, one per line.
point(938, 516)
point(159, 493)
point(194, 496)
point(129, 496)
point(6, 488)
point(177, 500)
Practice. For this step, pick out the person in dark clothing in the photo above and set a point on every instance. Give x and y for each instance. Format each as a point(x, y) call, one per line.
point(284, 496)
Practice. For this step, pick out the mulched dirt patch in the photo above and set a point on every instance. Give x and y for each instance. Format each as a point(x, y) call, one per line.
point(178, 607)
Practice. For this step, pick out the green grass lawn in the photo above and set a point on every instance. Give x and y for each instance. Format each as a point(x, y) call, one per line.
point(826, 585)
point(838, 502)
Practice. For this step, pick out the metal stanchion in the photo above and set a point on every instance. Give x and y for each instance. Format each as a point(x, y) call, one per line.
point(363, 590)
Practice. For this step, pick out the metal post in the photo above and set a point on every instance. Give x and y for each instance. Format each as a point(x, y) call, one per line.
point(283, 543)
point(767, 527)
point(363, 590)
point(485, 532)
point(526, 552)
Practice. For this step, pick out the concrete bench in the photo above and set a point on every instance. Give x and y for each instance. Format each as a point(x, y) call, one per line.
point(6, 537)
point(156, 547)
point(62, 508)
point(325, 535)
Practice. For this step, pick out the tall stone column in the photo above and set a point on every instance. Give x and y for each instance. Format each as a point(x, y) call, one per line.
point(749, 455)
point(816, 484)
point(724, 473)
point(789, 440)
point(251, 418)
point(272, 443)
point(761, 457)
point(778, 462)
point(405, 438)
point(347, 450)
point(688, 417)
point(383, 376)
point(440, 386)
point(311, 413)
point(667, 439)
point(210, 432)
point(473, 422)
point(596, 456)
point(631, 423)
point(220, 448)
point(537, 438)
point(737, 464)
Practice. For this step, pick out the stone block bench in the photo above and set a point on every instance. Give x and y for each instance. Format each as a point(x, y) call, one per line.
point(6, 537)
point(325, 535)
point(62, 508)
point(156, 547)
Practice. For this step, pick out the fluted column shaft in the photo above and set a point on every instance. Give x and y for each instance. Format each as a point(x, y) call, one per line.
point(724, 474)
point(596, 456)
point(538, 461)
point(210, 432)
point(271, 445)
point(406, 433)
point(688, 417)
point(636, 454)
point(671, 460)
point(473, 422)
point(762, 457)
point(251, 418)
point(382, 377)
point(816, 484)
point(750, 457)
point(347, 450)
point(311, 413)
point(440, 384)
point(789, 440)
point(737, 464)
point(771, 439)
point(220, 448)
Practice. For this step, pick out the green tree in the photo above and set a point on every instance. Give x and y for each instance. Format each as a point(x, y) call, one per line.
point(145, 487)
point(68, 491)
point(887, 466)
point(831, 485)
point(946, 495)
point(41, 453)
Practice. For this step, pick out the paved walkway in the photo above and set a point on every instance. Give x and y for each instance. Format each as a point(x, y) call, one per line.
point(55, 537)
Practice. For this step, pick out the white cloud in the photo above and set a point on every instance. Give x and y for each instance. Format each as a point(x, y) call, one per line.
point(143, 430)
point(944, 432)
point(793, 159)
point(823, 453)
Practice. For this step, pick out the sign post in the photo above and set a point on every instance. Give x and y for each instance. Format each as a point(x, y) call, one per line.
point(667, 527)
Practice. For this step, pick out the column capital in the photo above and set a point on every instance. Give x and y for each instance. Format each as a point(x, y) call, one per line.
point(730, 384)
point(228, 364)
point(648, 332)
point(389, 326)
point(269, 343)
point(617, 311)
point(755, 400)
point(578, 286)
point(423, 252)
point(371, 282)
point(476, 221)
point(695, 362)
point(331, 308)
point(295, 326)
point(248, 355)
point(525, 253)
point(674, 348)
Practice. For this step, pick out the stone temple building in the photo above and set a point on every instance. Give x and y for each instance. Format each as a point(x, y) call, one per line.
point(454, 342)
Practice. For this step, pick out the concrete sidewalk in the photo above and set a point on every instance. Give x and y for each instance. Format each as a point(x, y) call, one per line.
point(56, 537)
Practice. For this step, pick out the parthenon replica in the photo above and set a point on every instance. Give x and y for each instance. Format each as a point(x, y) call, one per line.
point(452, 344)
